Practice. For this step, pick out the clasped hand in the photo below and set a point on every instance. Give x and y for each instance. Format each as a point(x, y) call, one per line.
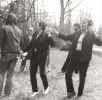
point(23, 55)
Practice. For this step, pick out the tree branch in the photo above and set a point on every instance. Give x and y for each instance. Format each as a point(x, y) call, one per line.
point(67, 4)
point(30, 10)
point(66, 16)
point(74, 7)
point(8, 6)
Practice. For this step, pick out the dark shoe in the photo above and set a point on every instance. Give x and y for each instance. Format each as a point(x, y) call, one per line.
point(71, 95)
point(79, 94)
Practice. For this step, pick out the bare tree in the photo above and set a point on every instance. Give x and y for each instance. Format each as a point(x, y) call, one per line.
point(62, 16)
point(64, 6)
point(66, 13)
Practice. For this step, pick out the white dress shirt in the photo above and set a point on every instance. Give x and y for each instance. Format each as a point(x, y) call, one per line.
point(79, 44)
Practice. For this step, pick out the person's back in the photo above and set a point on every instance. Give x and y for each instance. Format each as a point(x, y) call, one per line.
point(10, 36)
point(10, 39)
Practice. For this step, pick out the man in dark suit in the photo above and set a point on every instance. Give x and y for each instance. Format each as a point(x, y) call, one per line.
point(80, 55)
point(39, 48)
point(76, 29)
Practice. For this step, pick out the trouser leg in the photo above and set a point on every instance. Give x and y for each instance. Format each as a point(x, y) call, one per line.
point(2, 74)
point(10, 69)
point(43, 74)
point(1, 82)
point(82, 74)
point(23, 64)
point(33, 71)
point(68, 78)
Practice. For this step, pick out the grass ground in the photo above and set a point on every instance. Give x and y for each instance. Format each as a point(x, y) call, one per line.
point(93, 86)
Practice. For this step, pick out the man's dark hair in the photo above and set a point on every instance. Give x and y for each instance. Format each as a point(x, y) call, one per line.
point(42, 25)
point(77, 25)
point(90, 23)
point(11, 19)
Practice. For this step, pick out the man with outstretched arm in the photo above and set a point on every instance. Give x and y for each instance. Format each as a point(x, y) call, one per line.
point(80, 55)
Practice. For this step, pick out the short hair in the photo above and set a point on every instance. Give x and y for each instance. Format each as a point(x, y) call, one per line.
point(77, 25)
point(90, 23)
point(11, 19)
point(42, 25)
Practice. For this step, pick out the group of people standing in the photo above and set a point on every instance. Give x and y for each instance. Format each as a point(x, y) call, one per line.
point(37, 51)
point(78, 58)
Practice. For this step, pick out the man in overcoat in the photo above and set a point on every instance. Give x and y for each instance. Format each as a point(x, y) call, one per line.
point(80, 55)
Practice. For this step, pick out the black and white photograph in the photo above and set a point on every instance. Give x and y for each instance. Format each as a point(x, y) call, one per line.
point(50, 49)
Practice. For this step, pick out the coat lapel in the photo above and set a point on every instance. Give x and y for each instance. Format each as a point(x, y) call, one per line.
point(87, 38)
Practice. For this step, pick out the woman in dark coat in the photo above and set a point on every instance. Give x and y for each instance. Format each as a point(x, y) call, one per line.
point(39, 46)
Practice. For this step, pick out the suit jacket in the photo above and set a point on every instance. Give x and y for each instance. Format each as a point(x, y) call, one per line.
point(87, 44)
point(39, 47)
